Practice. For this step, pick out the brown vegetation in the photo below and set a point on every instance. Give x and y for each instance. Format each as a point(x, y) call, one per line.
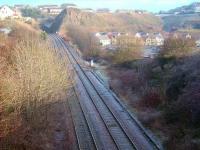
point(84, 39)
point(32, 77)
point(129, 49)
point(177, 47)
point(164, 92)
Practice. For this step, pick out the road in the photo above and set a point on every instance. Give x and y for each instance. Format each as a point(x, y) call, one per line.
point(101, 120)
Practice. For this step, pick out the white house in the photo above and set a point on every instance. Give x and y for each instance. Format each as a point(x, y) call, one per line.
point(155, 40)
point(19, 7)
point(198, 43)
point(103, 10)
point(124, 11)
point(50, 9)
point(5, 30)
point(98, 34)
point(141, 35)
point(160, 40)
point(188, 36)
point(6, 12)
point(197, 9)
point(104, 40)
point(54, 11)
point(88, 10)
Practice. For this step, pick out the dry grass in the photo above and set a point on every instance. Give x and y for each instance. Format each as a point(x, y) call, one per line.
point(35, 77)
point(32, 77)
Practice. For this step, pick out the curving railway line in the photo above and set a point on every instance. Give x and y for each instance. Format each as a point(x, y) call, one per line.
point(101, 120)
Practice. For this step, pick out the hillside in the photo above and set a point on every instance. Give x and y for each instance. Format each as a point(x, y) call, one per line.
point(192, 8)
point(185, 17)
point(186, 21)
point(124, 22)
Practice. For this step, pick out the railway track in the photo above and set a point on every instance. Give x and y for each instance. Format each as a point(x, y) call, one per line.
point(109, 123)
point(81, 126)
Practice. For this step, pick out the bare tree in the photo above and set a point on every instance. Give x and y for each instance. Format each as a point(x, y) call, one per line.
point(84, 39)
point(129, 49)
point(177, 47)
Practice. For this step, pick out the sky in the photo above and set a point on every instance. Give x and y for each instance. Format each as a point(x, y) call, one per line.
point(150, 5)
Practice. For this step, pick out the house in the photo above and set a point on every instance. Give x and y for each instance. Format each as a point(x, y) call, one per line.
point(88, 10)
point(150, 41)
point(125, 11)
point(198, 43)
point(5, 31)
point(188, 36)
point(155, 39)
point(17, 13)
point(54, 11)
point(113, 37)
point(6, 12)
point(98, 34)
point(176, 13)
point(141, 34)
point(197, 9)
point(139, 12)
point(103, 10)
point(19, 7)
point(121, 11)
point(46, 6)
point(109, 38)
point(50, 9)
point(103, 38)
point(160, 40)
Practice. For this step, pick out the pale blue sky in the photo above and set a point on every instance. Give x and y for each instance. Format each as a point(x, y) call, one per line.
point(150, 5)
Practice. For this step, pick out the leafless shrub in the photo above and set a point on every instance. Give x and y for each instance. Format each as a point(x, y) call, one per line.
point(190, 103)
point(151, 98)
point(130, 49)
point(84, 39)
point(35, 76)
point(177, 47)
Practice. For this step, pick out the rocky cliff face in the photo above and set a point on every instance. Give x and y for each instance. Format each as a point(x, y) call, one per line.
point(124, 22)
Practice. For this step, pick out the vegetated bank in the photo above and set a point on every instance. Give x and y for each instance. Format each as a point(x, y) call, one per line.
point(33, 86)
point(163, 92)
